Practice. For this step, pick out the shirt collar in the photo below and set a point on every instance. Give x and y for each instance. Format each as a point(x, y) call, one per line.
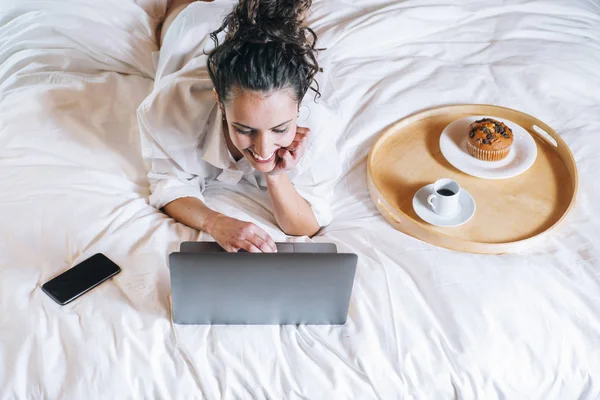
point(215, 149)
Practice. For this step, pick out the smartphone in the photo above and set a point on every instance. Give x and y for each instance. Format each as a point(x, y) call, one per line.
point(80, 279)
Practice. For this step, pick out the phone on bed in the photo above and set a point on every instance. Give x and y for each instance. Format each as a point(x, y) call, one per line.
point(80, 279)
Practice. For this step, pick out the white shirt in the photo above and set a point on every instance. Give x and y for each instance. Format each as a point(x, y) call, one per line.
point(181, 130)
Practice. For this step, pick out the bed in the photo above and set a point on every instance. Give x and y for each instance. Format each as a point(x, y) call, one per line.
point(424, 322)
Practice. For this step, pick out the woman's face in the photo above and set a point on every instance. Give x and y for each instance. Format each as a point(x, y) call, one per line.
point(259, 124)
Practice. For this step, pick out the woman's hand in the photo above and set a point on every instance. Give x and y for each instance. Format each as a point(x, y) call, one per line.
point(234, 235)
point(288, 157)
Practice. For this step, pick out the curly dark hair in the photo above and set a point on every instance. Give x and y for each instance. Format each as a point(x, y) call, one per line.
point(266, 48)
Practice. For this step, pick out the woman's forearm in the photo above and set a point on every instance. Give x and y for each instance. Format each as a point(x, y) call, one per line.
point(192, 212)
point(231, 234)
point(293, 214)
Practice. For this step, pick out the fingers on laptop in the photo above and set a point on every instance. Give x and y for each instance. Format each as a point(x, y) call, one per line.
point(256, 246)
point(265, 241)
point(255, 240)
point(250, 247)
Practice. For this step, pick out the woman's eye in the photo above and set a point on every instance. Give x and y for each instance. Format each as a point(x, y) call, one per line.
point(243, 132)
point(280, 130)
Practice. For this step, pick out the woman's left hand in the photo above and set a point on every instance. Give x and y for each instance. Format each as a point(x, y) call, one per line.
point(288, 157)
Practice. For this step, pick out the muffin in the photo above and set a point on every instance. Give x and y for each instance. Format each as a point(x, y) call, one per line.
point(489, 140)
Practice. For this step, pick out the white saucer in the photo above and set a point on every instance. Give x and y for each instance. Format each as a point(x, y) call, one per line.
point(423, 210)
point(453, 144)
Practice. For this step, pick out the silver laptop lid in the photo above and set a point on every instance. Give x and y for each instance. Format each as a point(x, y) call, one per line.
point(267, 288)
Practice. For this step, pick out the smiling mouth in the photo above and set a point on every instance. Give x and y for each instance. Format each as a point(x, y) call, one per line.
point(260, 159)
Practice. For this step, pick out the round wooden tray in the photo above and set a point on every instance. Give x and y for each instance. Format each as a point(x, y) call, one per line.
point(511, 213)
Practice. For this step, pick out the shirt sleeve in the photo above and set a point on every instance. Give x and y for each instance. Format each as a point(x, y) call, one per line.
point(316, 175)
point(168, 182)
point(173, 120)
point(316, 184)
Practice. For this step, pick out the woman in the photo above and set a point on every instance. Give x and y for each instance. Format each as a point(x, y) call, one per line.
point(225, 108)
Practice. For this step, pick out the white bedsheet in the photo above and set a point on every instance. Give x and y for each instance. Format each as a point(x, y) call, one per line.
point(424, 323)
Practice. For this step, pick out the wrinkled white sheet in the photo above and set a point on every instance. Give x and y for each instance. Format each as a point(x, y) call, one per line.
point(424, 323)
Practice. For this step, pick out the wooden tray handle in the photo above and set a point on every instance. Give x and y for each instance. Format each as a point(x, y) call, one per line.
point(545, 133)
point(392, 213)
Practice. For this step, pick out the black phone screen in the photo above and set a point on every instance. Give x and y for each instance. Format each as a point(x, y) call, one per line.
point(81, 278)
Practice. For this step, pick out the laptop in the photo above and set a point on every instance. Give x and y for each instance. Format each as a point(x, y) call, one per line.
point(303, 283)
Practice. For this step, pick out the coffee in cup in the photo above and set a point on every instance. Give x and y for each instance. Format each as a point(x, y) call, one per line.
point(444, 200)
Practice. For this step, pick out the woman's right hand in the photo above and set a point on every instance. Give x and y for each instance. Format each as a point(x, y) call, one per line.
point(234, 235)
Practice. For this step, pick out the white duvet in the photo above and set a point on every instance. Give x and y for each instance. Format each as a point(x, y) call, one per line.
point(424, 323)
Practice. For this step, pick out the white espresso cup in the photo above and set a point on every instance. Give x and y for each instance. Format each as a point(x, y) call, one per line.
point(444, 199)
